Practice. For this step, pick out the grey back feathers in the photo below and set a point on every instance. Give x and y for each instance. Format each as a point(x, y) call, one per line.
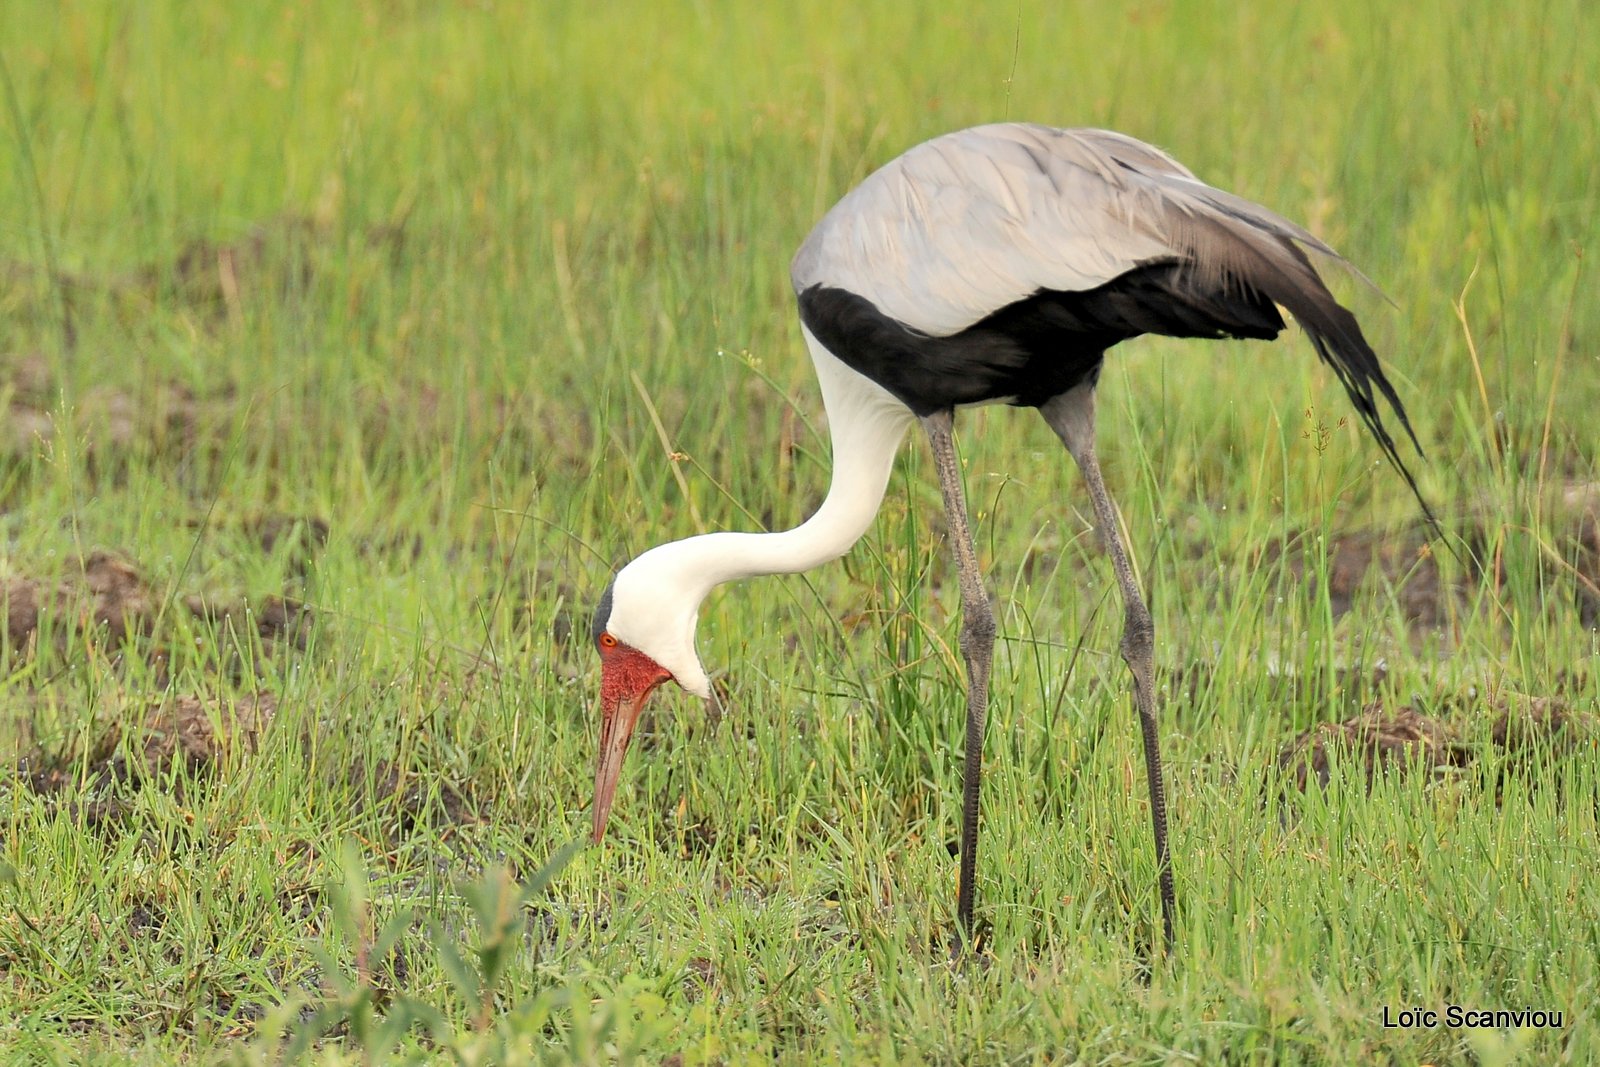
point(1064, 239)
point(967, 223)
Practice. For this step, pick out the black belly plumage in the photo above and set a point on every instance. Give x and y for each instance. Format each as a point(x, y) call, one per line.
point(1035, 348)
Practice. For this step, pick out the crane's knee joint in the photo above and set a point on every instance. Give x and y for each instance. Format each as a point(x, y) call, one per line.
point(1138, 635)
point(978, 628)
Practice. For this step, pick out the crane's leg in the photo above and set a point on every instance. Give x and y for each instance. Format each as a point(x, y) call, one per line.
point(977, 648)
point(1071, 416)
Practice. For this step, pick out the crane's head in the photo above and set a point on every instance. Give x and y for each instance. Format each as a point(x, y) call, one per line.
point(644, 632)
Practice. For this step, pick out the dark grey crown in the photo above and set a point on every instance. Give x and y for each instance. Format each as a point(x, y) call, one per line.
point(602, 613)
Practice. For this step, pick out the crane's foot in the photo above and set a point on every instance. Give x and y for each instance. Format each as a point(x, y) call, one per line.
point(968, 950)
point(1152, 952)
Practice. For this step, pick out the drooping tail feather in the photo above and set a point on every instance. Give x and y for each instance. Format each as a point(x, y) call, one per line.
point(1338, 340)
point(1238, 243)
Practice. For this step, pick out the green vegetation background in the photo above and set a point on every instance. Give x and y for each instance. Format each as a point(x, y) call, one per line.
point(410, 321)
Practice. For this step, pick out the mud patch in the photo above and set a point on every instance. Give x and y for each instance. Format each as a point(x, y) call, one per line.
point(111, 421)
point(683, 833)
point(300, 537)
point(1540, 725)
point(1379, 740)
point(217, 276)
point(106, 600)
point(699, 977)
point(141, 744)
point(94, 795)
point(104, 608)
point(139, 747)
point(214, 279)
point(1526, 732)
point(202, 734)
point(275, 619)
point(1404, 564)
point(417, 801)
point(1566, 550)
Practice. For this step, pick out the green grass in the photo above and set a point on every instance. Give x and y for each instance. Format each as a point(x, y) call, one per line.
point(499, 293)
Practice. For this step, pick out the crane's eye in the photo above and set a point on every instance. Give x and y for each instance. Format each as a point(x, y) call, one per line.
point(607, 641)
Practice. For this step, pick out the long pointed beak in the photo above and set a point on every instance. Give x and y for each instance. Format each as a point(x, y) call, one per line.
point(619, 717)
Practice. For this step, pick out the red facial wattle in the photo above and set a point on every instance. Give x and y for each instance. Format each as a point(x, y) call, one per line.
point(627, 677)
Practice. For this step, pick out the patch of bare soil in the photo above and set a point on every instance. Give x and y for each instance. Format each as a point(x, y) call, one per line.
point(1569, 562)
point(1381, 740)
point(106, 600)
point(104, 604)
point(689, 835)
point(275, 619)
point(202, 733)
point(165, 416)
point(1539, 729)
point(1439, 740)
point(141, 743)
point(1404, 564)
point(136, 747)
point(213, 279)
point(301, 537)
point(214, 285)
point(218, 275)
point(415, 801)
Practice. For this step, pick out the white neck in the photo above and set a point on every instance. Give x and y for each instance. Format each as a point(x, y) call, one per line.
point(658, 595)
point(866, 424)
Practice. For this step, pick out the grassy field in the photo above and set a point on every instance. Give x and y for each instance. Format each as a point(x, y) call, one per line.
point(346, 349)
